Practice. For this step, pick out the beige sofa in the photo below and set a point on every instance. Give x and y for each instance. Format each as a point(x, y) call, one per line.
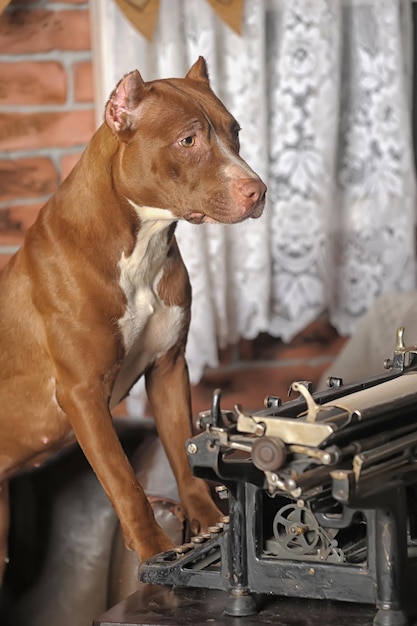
point(68, 563)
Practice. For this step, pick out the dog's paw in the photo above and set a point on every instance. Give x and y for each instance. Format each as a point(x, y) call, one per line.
point(161, 543)
point(201, 510)
point(203, 515)
point(148, 544)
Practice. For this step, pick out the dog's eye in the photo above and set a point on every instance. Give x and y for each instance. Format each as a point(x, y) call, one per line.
point(188, 142)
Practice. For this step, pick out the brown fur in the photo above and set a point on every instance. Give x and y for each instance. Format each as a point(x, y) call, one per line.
point(62, 354)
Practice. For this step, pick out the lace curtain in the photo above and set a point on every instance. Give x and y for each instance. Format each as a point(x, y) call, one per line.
point(322, 90)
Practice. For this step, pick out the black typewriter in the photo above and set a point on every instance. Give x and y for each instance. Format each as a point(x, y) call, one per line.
point(322, 495)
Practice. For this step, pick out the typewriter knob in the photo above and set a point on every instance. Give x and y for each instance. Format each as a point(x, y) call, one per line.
point(268, 454)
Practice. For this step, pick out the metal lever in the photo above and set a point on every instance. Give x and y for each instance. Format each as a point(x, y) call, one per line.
point(312, 408)
point(400, 353)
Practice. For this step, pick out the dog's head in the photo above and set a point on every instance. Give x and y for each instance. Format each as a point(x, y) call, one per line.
point(179, 150)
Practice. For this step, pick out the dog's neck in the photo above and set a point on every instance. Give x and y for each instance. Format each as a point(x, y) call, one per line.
point(80, 199)
point(153, 239)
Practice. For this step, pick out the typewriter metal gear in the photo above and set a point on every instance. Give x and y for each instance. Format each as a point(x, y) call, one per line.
point(297, 534)
point(322, 497)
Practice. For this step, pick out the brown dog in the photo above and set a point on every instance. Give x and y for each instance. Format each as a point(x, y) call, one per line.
point(98, 294)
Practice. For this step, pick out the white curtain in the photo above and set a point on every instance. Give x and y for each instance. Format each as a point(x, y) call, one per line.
point(322, 90)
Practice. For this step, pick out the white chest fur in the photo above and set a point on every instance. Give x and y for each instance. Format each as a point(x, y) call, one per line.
point(139, 275)
point(149, 327)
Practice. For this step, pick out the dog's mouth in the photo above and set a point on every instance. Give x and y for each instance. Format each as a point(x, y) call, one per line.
point(194, 217)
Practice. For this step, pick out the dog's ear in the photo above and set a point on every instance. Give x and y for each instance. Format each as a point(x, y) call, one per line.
point(121, 108)
point(198, 71)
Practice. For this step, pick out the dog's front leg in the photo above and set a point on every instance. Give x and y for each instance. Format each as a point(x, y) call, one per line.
point(168, 389)
point(92, 423)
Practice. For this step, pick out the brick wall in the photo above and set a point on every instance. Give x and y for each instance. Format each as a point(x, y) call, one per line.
point(46, 106)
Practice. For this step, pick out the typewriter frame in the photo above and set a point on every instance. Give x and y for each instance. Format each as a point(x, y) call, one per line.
point(372, 494)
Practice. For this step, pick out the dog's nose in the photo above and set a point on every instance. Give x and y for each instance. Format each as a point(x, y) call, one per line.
point(252, 188)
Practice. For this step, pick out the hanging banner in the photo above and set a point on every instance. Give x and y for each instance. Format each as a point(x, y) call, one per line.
point(143, 14)
point(3, 4)
point(230, 11)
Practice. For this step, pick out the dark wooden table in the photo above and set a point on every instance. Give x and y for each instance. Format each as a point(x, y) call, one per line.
point(154, 605)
